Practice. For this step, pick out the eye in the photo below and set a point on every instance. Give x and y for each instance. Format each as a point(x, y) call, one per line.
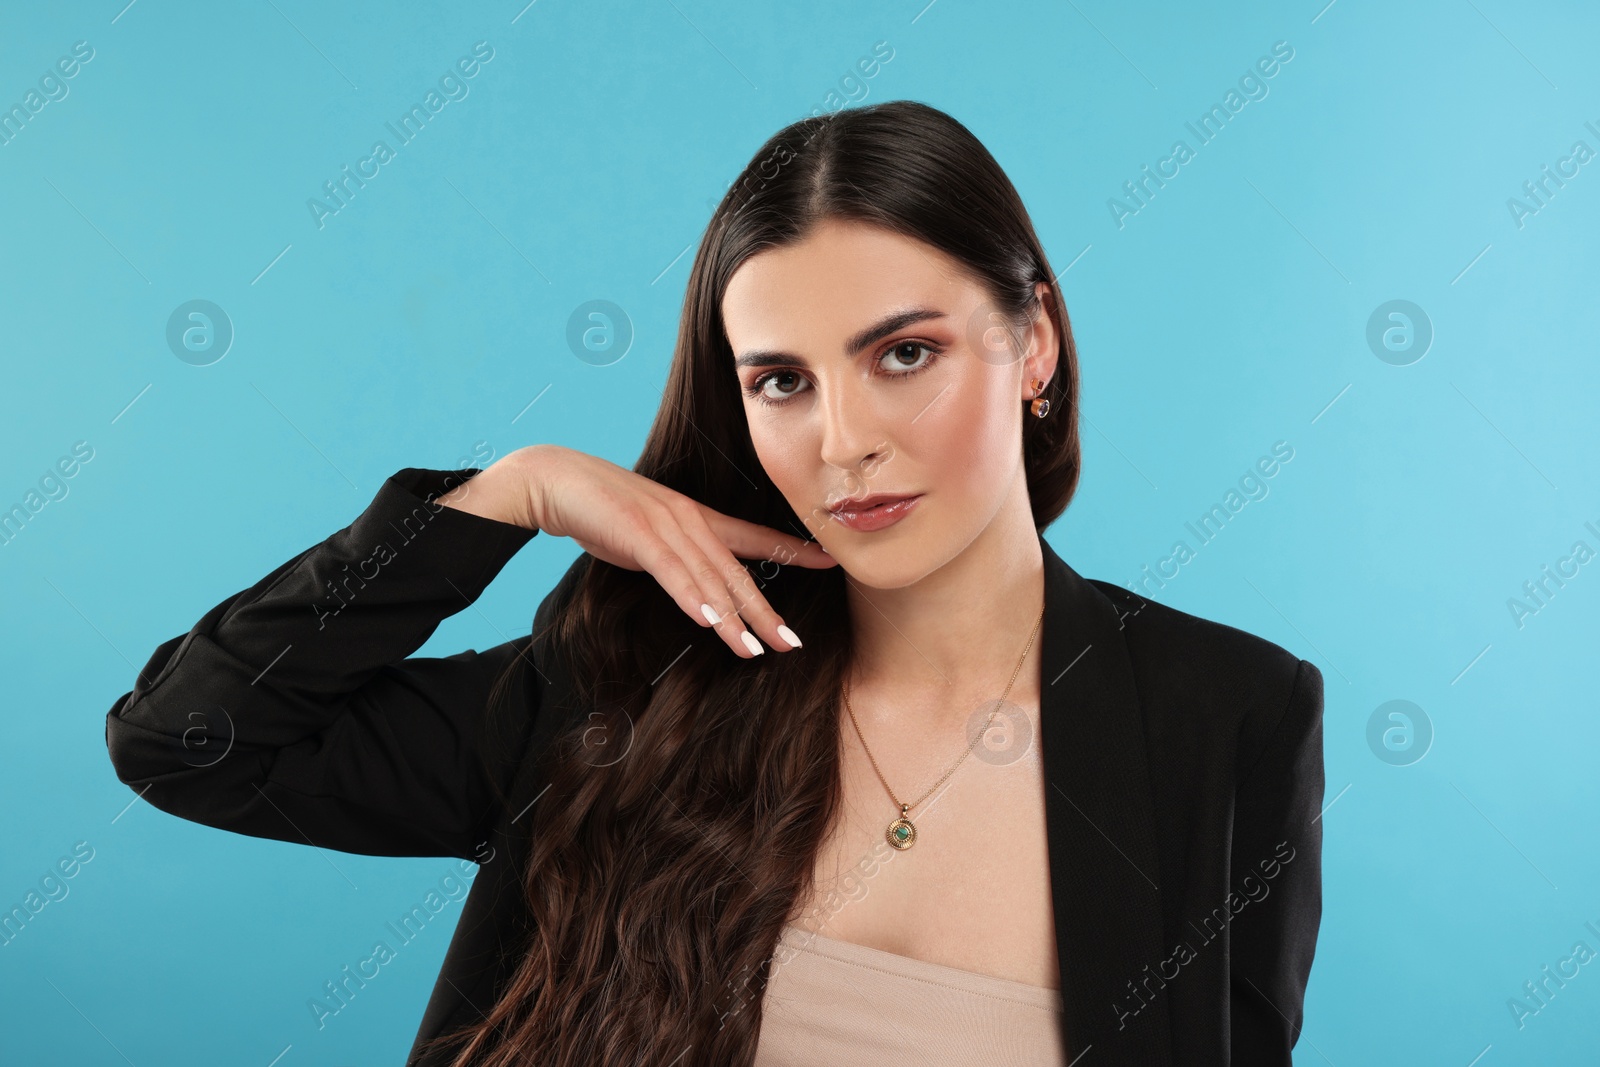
point(901, 355)
point(758, 388)
point(900, 350)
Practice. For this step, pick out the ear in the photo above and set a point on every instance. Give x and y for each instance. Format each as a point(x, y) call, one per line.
point(1044, 343)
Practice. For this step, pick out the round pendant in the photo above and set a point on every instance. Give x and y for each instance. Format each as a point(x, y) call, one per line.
point(901, 833)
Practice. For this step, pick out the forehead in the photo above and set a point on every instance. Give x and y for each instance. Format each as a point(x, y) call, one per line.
point(840, 276)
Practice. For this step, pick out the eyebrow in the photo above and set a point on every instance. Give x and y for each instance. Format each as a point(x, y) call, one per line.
point(885, 326)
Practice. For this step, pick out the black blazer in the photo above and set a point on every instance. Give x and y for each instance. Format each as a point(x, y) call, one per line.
point(1183, 761)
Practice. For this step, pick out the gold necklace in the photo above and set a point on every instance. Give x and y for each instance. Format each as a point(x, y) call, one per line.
point(902, 833)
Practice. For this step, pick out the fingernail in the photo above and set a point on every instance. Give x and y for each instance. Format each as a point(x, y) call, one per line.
point(751, 643)
point(789, 636)
point(711, 616)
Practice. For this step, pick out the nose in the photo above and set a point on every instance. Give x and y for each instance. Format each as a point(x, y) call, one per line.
point(853, 436)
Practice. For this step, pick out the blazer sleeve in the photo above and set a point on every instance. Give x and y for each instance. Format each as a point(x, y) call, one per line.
point(290, 710)
point(1278, 839)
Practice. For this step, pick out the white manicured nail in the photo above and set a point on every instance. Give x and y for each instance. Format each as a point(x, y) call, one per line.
point(789, 636)
point(710, 613)
point(751, 643)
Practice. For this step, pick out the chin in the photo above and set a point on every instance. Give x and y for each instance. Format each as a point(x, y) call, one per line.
point(878, 562)
point(882, 579)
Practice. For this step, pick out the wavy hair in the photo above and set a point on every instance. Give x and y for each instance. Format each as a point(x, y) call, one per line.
point(658, 884)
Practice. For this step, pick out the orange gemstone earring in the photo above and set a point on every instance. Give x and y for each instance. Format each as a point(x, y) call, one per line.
point(1041, 405)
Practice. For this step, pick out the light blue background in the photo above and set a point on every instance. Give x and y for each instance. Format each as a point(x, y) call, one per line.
point(1228, 314)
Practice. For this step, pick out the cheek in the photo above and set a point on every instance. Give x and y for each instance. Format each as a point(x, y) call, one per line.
point(789, 455)
point(970, 436)
point(782, 456)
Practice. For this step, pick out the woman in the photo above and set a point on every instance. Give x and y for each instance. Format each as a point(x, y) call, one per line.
point(975, 808)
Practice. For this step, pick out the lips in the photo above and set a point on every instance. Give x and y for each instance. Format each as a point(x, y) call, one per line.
point(863, 503)
point(875, 512)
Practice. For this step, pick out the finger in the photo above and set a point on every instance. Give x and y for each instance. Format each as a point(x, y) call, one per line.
point(718, 607)
point(757, 612)
point(677, 577)
point(750, 540)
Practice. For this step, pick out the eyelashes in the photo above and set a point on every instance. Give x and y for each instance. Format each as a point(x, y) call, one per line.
point(756, 389)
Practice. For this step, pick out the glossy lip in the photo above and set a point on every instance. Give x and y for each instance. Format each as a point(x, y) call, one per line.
point(874, 512)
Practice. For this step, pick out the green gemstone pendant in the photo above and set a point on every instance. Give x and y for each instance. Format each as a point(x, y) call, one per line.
point(902, 833)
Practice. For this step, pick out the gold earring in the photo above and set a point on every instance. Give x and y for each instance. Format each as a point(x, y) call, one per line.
point(1041, 405)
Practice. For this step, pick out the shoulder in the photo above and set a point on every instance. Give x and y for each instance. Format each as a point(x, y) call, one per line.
point(1205, 683)
point(1176, 640)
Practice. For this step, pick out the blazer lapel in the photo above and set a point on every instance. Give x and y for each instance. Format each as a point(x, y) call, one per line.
point(1104, 872)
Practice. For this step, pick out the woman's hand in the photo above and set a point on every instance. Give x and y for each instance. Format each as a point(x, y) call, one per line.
point(629, 520)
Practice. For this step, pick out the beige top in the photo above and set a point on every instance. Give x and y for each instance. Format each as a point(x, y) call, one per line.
point(841, 1004)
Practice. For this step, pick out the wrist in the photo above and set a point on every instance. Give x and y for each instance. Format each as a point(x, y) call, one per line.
point(530, 463)
point(498, 492)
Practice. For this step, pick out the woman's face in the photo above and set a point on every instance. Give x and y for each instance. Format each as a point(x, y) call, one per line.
point(870, 365)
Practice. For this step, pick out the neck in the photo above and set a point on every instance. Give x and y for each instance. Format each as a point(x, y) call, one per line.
point(960, 628)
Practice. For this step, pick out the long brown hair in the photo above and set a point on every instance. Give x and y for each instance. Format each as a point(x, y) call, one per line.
point(658, 884)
